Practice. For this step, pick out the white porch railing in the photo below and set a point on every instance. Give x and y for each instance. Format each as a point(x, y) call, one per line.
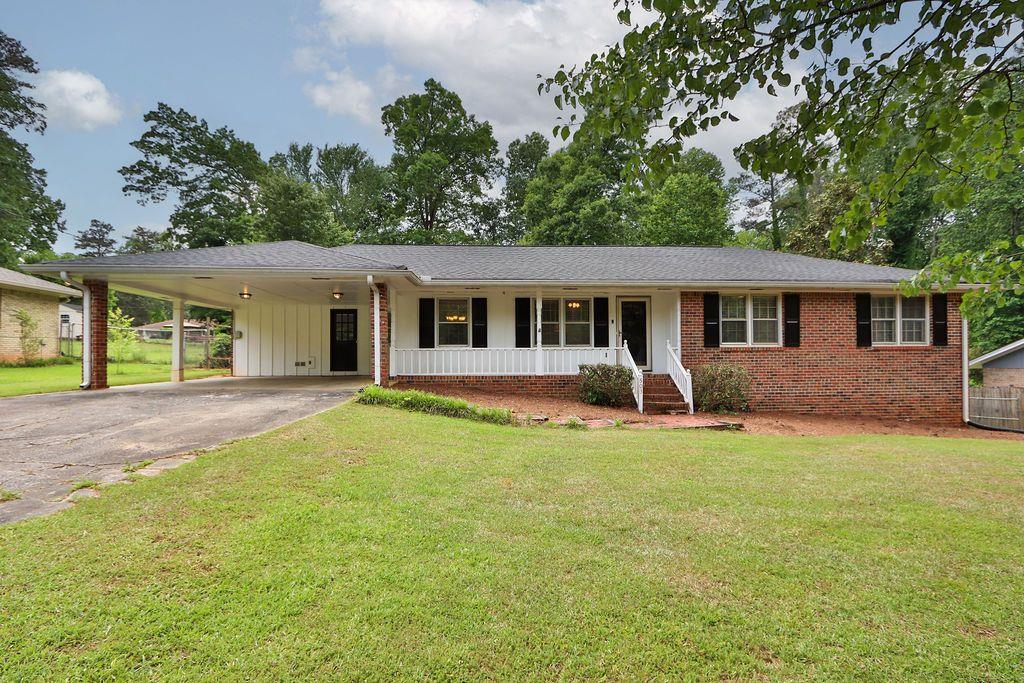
point(680, 376)
point(638, 376)
point(467, 361)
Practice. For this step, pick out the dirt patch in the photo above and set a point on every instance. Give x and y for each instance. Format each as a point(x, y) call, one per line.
point(790, 424)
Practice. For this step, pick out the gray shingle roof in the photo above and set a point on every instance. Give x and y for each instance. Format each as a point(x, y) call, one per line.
point(291, 255)
point(14, 280)
point(680, 265)
point(623, 264)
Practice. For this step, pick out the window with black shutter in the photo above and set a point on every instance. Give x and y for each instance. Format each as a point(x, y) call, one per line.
point(427, 323)
point(524, 327)
point(940, 320)
point(711, 321)
point(791, 318)
point(479, 323)
point(863, 304)
point(601, 322)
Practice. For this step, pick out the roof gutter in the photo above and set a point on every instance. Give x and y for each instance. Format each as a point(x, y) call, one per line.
point(216, 272)
point(86, 329)
point(676, 284)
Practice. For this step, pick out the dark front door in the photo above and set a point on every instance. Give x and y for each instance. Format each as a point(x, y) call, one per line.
point(344, 350)
point(633, 328)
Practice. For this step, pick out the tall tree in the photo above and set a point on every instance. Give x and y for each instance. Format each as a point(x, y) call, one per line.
point(144, 241)
point(29, 219)
point(762, 200)
point(523, 156)
point(811, 236)
point(688, 209)
point(292, 209)
point(444, 160)
point(96, 240)
point(948, 71)
point(213, 174)
point(575, 197)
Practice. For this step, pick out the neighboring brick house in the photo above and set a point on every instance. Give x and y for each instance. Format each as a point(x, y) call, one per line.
point(816, 335)
point(40, 299)
point(1003, 367)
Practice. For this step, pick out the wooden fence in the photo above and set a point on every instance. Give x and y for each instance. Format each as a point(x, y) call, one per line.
point(1000, 407)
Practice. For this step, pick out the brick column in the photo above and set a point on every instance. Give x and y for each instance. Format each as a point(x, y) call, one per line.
point(385, 337)
point(97, 333)
point(383, 328)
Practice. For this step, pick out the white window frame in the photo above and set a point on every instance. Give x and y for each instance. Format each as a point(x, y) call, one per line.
point(561, 322)
point(749, 311)
point(468, 323)
point(899, 321)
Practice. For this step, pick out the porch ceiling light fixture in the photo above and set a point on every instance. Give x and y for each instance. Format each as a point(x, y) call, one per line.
point(245, 294)
point(336, 295)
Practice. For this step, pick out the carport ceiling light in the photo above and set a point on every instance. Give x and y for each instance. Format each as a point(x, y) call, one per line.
point(245, 294)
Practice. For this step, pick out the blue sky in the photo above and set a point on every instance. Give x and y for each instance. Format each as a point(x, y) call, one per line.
point(277, 72)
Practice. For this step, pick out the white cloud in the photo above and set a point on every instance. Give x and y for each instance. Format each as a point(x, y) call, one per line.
point(77, 100)
point(490, 54)
point(345, 94)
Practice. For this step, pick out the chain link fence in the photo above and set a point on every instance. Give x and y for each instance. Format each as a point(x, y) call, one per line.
point(204, 348)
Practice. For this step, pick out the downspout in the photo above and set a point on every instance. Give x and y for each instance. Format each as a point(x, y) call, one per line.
point(376, 332)
point(86, 329)
point(966, 393)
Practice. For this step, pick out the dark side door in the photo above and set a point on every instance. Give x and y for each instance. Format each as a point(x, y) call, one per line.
point(344, 348)
point(633, 328)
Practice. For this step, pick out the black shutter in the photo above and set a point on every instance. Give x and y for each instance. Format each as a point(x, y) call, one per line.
point(712, 333)
point(523, 331)
point(791, 320)
point(863, 319)
point(426, 323)
point(479, 323)
point(601, 322)
point(940, 320)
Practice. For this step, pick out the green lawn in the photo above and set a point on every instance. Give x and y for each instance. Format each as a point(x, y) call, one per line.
point(147, 351)
point(368, 543)
point(41, 380)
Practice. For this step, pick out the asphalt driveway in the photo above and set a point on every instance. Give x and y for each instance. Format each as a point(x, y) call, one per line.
point(48, 442)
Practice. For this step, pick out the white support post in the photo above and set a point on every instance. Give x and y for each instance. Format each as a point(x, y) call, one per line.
point(965, 388)
point(178, 341)
point(539, 358)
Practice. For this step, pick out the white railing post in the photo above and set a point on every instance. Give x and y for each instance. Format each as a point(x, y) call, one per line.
point(539, 369)
point(638, 376)
point(681, 377)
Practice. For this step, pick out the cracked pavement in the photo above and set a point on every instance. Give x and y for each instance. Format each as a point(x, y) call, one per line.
point(50, 441)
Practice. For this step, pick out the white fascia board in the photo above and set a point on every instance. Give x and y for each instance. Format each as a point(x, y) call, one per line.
point(685, 286)
point(998, 353)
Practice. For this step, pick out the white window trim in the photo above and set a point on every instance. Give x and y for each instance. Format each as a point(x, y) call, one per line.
point(899, 321)
point(749, 308)
point(561, 322)
point(468, 323)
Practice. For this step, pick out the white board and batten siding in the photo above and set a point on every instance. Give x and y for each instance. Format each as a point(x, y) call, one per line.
point(282, 340)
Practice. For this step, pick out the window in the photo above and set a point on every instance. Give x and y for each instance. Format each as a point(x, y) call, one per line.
point(913, 321)
point(750, 319)
point(453, 322)
point(765, 314)
point(65, 317)
point(734, 319)
point(899, 320)
point(550, 324)
point(577, 322)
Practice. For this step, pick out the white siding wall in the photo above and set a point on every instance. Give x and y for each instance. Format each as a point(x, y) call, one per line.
point(276, 336)
point(663, 309)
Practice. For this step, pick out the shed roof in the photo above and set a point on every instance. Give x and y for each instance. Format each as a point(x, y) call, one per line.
point(12, 279)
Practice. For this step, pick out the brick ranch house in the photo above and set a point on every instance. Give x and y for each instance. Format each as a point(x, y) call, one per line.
point(40, 299)
point(817, 336)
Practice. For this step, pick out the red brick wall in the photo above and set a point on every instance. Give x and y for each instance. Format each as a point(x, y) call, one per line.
point(98, 333)
point(383, 327)
point(828, 373)
point(548, 386)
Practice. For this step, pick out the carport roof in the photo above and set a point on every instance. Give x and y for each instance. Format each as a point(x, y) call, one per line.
point(271, 256)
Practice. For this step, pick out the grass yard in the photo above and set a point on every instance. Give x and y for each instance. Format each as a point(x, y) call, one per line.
point(366, 542)
point(147, 351)
point(47, 378)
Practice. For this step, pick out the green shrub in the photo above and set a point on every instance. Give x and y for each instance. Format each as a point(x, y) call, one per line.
point(721, 388)
point(606, 385)
point(422, 402)
point(40, 362)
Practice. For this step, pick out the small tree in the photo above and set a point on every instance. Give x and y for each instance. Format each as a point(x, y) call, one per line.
point(28, 335)
point(121, 338)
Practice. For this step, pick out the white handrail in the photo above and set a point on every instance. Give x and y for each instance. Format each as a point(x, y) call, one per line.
point(638, 376)
point(498, 361)
point(680, 376)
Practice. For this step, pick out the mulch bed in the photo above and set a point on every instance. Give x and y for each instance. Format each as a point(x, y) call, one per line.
point(788, 424)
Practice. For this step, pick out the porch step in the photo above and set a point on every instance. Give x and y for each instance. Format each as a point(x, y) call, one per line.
point(661, 396)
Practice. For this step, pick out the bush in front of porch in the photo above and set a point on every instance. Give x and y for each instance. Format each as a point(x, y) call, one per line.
point(423, 402)
point(721, 388)
point(602, 384)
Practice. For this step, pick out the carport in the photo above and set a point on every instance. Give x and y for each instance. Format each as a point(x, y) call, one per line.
point(298, 310)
